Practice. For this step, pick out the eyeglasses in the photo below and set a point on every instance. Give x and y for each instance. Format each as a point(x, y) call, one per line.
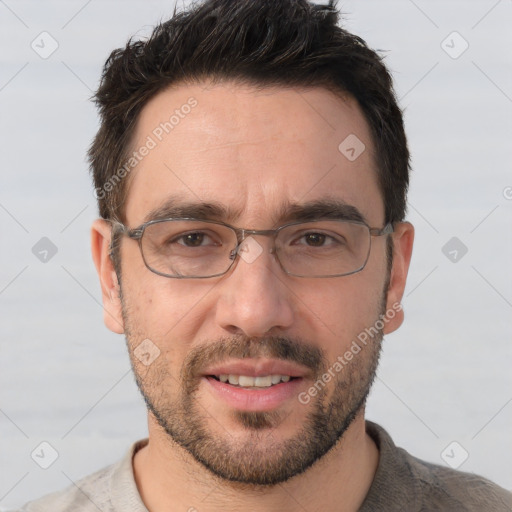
point(192, 248)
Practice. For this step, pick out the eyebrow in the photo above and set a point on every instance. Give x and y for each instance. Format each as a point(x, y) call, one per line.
point(329, 208)
point(179, 208)
point(334, 209)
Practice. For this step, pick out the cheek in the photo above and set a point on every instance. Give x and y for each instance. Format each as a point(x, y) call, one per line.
point(169, 312)
point(335, 312)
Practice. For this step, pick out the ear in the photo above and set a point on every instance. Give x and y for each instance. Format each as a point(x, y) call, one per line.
point(100, 245)
point(403, 238)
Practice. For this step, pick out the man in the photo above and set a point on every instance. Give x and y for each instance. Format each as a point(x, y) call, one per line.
point(251, 170)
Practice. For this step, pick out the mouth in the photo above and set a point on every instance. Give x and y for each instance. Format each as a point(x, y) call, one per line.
point(255, 385)
point(248, 382)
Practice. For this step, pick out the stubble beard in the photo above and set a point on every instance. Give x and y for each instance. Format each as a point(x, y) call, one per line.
point(258, 458)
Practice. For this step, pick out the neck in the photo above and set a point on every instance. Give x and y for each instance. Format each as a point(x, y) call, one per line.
point(169, 478)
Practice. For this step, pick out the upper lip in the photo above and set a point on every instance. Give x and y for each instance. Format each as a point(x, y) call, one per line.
point(257, 368)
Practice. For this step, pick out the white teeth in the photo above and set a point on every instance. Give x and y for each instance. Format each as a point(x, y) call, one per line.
point(246, 381)
point(276, 379)
point(263, 382)
point(233, 379)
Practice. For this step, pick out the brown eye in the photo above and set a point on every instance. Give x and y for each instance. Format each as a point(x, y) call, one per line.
point(193, 239)
point(315, 239)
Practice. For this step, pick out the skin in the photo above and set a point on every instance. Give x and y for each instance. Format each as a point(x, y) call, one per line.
point(251, 151)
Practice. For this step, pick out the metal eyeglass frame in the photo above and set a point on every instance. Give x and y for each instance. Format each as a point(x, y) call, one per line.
point(241, 234)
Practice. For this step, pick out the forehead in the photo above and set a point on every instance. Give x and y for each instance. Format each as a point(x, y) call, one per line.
point(253, 151)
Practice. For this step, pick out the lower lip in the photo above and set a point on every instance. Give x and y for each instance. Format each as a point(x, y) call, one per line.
point(263, 399)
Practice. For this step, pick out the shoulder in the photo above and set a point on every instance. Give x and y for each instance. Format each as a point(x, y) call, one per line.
point(442, 487)
point(86, 495)
point(110, 489)
point(402, 480)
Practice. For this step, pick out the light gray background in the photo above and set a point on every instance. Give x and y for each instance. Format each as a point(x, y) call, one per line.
point(445, 375)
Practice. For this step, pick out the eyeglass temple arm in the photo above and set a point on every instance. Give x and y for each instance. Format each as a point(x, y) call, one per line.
point(120, 228)
point(386, 230)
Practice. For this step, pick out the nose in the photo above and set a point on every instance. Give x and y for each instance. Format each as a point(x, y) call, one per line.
point(254, 298)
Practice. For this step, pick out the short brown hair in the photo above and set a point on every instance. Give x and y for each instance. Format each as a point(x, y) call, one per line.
point(259, 42)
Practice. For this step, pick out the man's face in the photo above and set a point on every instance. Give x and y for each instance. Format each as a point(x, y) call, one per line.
point(255, 154)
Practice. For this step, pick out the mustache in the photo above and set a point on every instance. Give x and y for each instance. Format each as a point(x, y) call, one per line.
point(243, 347)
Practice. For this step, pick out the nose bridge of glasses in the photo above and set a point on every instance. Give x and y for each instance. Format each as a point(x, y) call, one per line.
point(244, 234)
point(262, 232)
